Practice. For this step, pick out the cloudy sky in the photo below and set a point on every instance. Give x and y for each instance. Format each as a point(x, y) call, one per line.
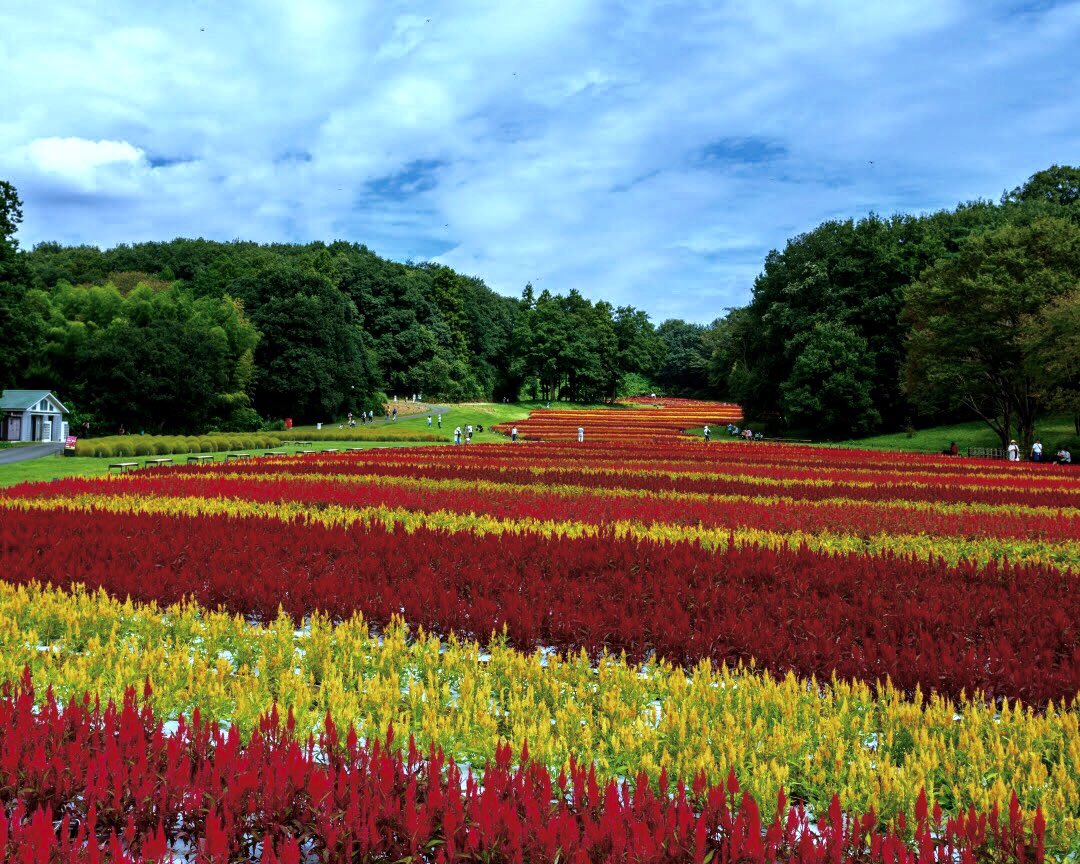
point(644, 153)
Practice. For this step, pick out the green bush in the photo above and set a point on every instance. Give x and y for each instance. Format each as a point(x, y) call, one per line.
point(103, 451)
point(124, 448)
point(273, 426)
point(161, 447)
point(207, 444)
point(143, 448)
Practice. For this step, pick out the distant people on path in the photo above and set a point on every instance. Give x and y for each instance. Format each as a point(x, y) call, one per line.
point(1013, 451)
point(393, 416)
point(1036, 451)
point(513, 435)
point(457, 435)
point(351, 421)
point(439, 418)
point(581, 434)
point(707, 433)
point(428, 421)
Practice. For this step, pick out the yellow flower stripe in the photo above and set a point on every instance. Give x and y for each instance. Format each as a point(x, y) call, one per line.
point(873, 749)
point(896, 481)
point(951, 549)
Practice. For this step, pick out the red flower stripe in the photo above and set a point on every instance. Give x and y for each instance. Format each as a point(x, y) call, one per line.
point(1007, 630)
point(85, 784)
point(596, 506)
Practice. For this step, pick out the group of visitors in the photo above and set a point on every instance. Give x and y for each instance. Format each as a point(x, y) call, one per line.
point(745, 434)
point(466, 435)
point(1038, 453)
point(1062, 457)
point(365, 417)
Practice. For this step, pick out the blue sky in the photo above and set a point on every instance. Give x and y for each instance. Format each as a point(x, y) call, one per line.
point(649, 154)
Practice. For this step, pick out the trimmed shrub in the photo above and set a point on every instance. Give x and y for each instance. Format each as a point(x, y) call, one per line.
point(123, 448)
point(143, 448)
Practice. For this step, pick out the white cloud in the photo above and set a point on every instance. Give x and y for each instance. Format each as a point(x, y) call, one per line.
point(79, 160)
point(560, 142)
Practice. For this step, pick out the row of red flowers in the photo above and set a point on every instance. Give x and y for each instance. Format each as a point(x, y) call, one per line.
point(86, 783)
point(591, 506)
point(1007, 630)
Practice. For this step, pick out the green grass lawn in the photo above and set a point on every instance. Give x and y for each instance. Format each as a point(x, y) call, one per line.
point(486, 414)
point(1050, 430)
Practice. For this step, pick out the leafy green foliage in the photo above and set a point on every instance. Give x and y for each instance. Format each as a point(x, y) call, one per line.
point(967, 314)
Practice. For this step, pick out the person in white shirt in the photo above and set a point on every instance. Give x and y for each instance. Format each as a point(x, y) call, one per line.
point(1014, 452)
point(1064, 457)
point(457, 435)
point(1036, 451)
point(429, 421)
point(706, 434)
point(513, 435)
point(580, 434)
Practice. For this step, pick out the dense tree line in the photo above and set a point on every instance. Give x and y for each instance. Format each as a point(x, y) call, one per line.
point(876, 324)
point(190, 335)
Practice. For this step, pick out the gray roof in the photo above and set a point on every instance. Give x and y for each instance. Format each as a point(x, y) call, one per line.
point(21, 400)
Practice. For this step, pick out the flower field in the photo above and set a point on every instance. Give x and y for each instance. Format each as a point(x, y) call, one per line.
point(639, 648)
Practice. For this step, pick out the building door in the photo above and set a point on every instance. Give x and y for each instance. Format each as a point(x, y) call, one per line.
point(35, 427)
point(15, 427)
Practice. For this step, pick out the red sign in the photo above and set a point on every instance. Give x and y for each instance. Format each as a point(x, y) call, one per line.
point(69, 444)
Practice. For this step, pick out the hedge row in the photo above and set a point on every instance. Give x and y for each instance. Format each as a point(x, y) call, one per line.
point(161, 445)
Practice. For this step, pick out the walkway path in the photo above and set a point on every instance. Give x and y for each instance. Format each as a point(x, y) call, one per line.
point(32, 451)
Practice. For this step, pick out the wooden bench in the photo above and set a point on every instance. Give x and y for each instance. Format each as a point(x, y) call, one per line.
point(231, 456)
point(122, 466)
point(354, 449)
point(986, 452)
point(275, 453)
point(201, 457)
point(330, 450)
point(160, 460)
point(305, 451)
point(299, 443)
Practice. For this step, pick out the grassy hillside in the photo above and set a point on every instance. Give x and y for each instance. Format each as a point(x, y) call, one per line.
point(1051, 431)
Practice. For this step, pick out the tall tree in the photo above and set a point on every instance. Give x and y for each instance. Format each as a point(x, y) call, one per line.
point(967, 314)
point(21, 325)
point(1050, 341)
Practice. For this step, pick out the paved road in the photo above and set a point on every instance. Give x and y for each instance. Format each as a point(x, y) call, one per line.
point(33, 451)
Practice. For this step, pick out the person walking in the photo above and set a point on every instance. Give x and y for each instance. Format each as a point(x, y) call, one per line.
point(1036, 451)
point(513, 435)
point(581, 434)
point(457, 435)
point(706, 434)
point(429, 421)
point(1013, 451)
point(439, 418)
point(394, 415)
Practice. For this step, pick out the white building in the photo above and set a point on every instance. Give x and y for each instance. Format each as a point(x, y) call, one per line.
point(31, 415)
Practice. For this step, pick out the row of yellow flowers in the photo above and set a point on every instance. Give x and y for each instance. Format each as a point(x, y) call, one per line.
point(813, 738)
point(1063, 554)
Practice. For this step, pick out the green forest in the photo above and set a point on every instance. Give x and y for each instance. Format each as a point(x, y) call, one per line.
point(855, 327)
